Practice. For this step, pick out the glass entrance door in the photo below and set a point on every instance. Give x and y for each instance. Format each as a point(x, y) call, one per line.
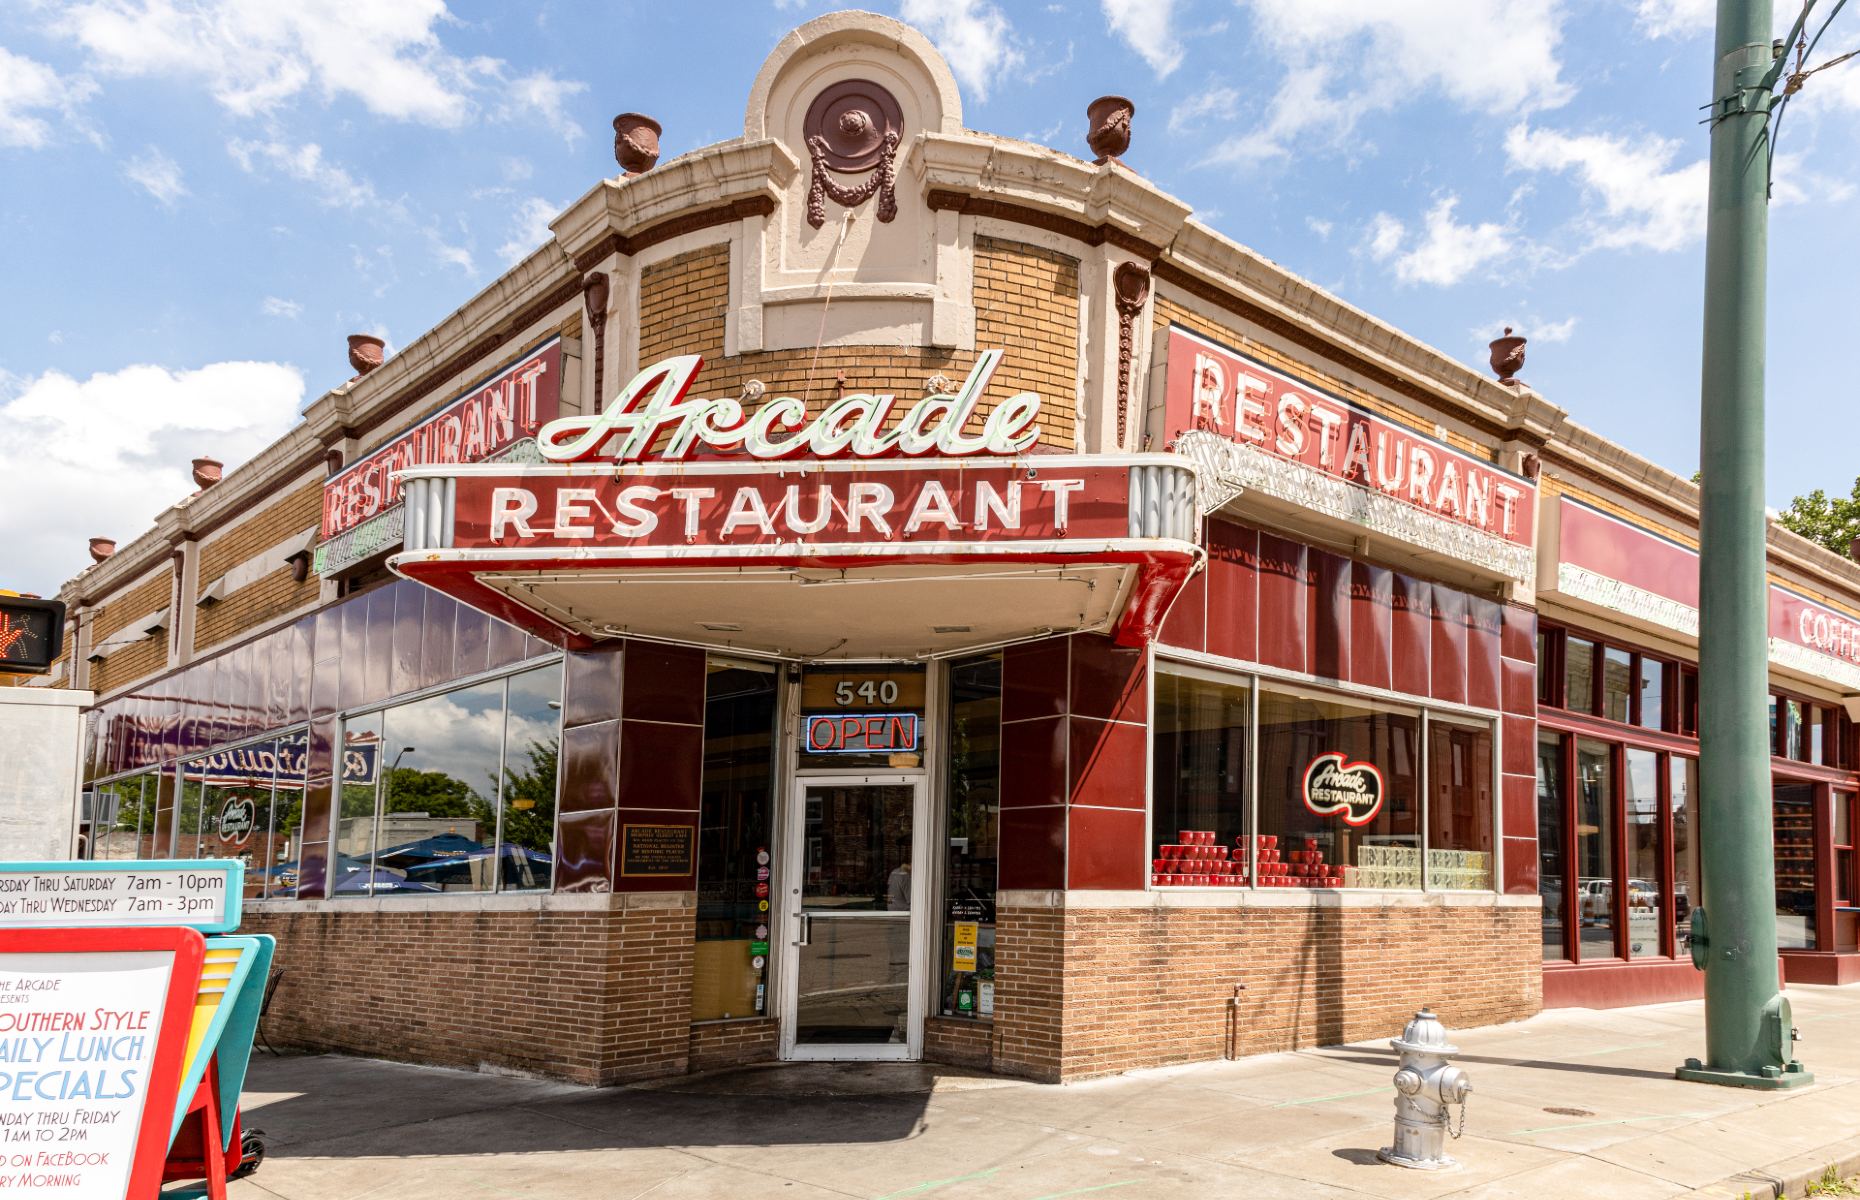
point(855, 892)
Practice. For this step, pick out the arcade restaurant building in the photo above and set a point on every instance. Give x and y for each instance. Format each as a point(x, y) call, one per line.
point(874, 589)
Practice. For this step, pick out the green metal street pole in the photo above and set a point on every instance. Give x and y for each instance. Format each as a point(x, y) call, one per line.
point(1748, 1035)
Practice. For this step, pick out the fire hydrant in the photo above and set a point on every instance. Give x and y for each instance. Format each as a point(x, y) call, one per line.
point(1425, 1084)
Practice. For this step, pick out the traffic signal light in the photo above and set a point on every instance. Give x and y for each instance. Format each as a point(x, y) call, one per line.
point(31, 634)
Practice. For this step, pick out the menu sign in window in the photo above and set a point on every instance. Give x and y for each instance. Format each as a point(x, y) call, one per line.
point(78, 1038)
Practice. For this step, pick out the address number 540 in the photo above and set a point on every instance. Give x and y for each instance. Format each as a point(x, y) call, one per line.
point(847, 693)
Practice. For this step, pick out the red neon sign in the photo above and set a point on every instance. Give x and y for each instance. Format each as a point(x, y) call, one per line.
point(861, 733)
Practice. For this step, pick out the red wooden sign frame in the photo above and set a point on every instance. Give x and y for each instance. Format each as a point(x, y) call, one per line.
point(177, 1018)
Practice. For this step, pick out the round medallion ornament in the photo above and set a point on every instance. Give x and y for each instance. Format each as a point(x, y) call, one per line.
point(851, 118)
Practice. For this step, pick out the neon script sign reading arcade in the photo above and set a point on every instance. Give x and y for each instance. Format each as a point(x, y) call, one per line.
point(653, 409)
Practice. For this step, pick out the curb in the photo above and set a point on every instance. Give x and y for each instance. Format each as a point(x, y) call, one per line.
point(1790, 1177)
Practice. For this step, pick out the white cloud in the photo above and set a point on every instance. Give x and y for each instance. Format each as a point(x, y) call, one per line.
point(529, 229)
point(453, 256)
point(1345, 59)
point(1445, 251)
point(1219, 102)
point(1320, 227)
point(546, 96)
point(1385, 236)
point(29, 88)
point(973, 35)
point(273, 306)
point(158, 174)
point(1643, 200)
point(1147, 25)
point(334, 186)
point(1674, 18)
point(1546, 333)
point(256, 55)
point(113, 451)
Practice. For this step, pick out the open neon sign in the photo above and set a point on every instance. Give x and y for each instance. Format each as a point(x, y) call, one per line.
point(861, 733)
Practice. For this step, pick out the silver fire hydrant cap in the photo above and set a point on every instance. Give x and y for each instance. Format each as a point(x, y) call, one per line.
point(1424, 1035)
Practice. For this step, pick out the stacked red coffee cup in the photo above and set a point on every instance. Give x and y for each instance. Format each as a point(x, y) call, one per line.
point(1301, 866)
point(1195, 859)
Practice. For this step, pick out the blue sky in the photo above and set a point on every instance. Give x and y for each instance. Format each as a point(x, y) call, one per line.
point(202, 197)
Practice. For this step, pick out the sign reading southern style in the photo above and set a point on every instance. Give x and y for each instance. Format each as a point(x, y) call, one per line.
point(1334, 787)
point(1252, 427)
point(491, 415)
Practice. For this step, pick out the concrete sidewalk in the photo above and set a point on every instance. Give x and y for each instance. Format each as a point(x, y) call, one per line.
point(1569, 1103)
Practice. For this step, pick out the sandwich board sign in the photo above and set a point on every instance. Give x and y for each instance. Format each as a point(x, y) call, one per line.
point(120, 1018)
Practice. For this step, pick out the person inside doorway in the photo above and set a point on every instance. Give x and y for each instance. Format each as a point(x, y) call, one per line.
point(898, 883)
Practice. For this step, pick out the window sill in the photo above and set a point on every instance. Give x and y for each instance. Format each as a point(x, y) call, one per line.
point(464, 902)
point(1219, 897)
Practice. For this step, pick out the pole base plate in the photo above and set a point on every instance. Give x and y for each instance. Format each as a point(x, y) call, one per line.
point(1793, 1076)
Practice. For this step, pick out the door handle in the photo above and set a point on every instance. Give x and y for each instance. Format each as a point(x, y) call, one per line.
point(806, 928)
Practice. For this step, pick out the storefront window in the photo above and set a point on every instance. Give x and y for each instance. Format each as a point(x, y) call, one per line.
point(236, 792)
point(1846, 920)
point(972, 840)
point(1617, 683)
point(1339, 790)
point(357, 788)
point(1200, 769)
point(1642, 801)
point(1551, 869)
point(1817, 735)
point(729, 974)
point(1459, 807)
point(122, 817)
point(1595, 849)
point(532, 753)
point(1683, 782)
point(862, 716)
point(1794, 816)
point(1579, 675)
point(1652, 703)
point(1792, 729)
point(427, 787)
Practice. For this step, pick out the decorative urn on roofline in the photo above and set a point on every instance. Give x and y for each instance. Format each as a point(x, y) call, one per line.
point(1110, 127)
point(365, 352)
point(1508, 358)
point(636, 142)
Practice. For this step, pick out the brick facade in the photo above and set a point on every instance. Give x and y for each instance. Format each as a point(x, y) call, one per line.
point(596, 993)
point(1026, 303)
point(272, 594)
point(132, 655)
point(716, 1044)
point(1086, 991)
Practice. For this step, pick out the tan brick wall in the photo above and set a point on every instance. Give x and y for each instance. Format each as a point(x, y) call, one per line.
point(596, 997)
point(1147, 987)
point(251, 606)
point(291, 513)
point(1032, 313)
point(717, 1044)
point(1169, 312)
point(1027, 303)
point(117, 619)
point(959, 1041)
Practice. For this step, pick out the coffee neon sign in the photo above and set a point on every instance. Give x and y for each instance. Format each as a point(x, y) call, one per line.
point(654, 410)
